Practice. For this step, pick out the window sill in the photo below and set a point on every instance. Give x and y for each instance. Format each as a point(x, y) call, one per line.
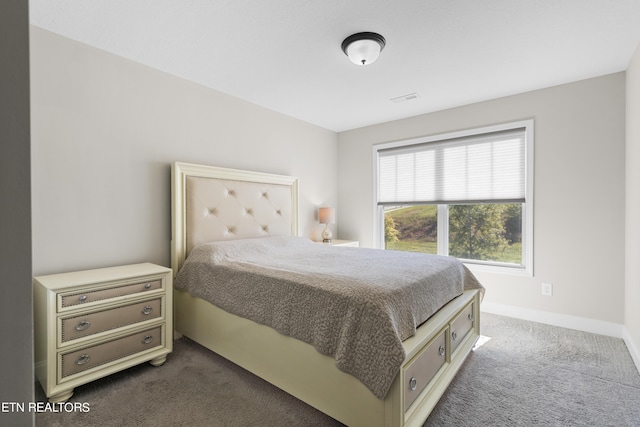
point(499, 269)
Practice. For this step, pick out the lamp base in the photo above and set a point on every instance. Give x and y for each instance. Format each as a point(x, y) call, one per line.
point(326, 234)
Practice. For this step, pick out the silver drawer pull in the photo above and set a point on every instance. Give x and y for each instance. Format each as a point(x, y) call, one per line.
point(147, 286)
point(83, 325)
point(413, 383)
point(147, 339)
point(82, 298)
point(147, 310)
point(470, 317)
point(454, 335)
point(441, 350)
point(82, 359)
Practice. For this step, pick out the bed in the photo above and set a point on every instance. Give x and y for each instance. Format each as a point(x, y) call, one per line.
point(214, 212)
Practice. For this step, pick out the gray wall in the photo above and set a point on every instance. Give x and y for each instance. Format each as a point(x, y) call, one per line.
point(16, 325)
point(104, 133)
point(579, 195)
point(632, 265)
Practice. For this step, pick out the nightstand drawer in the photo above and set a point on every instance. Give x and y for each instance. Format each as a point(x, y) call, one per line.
point(91, 323)
point(102, 294)
point(97, 355)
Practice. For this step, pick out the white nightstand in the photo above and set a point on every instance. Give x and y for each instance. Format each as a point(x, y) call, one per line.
point(337, 242)
point(89, 324)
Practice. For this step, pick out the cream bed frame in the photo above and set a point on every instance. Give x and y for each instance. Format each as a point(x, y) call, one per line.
point(227, 204)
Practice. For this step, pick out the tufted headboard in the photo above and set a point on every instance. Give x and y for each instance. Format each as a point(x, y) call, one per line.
point(211, 203)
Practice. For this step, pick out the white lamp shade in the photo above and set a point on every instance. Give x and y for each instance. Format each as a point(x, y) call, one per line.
point(363, 52)
point(327, 215)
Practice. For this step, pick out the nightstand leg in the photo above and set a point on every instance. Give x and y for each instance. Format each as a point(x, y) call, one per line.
point(159, 361)
point(61, 397)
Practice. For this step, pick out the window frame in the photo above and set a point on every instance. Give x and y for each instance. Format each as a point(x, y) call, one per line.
point(443, 236)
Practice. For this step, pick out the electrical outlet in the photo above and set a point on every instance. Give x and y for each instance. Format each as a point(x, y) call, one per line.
point(547, 289)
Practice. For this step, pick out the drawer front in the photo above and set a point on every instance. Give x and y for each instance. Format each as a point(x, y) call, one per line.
point(90, 357)
point(461, 327)
point(102, 294)
point(87, 324)
point(423, 368)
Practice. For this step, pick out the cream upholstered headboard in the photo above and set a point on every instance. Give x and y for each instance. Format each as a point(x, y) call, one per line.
point(212, 203)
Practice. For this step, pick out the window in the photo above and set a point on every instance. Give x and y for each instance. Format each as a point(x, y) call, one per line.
point(467, 194)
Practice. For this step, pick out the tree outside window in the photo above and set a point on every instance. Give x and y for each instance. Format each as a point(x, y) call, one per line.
point(483, 232)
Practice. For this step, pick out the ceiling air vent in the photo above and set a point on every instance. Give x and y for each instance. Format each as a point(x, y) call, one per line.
point(405, 98)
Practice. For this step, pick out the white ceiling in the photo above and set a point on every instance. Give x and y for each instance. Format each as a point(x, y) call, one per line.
point(285, 54)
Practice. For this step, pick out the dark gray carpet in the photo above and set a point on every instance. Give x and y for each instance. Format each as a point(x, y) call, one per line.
point(530, 374)
point(526, 374)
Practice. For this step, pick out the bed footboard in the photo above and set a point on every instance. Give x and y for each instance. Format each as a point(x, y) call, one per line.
point(434, 355)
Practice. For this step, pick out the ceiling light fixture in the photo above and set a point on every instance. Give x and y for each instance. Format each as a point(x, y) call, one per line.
point(363, 48)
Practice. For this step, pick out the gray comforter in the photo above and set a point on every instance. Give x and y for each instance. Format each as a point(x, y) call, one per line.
point(356, 305)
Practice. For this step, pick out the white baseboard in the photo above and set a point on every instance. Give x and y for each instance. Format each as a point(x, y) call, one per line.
point(633, 348)
point(555, 319)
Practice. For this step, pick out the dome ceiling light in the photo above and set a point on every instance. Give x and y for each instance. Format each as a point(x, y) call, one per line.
point(363, 48)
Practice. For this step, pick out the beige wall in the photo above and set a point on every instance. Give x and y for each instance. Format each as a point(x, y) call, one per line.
point(579, 195)
point(632, 270)
point(105, 131)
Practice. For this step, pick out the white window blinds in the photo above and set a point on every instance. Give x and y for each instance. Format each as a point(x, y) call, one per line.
point(485, 168)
